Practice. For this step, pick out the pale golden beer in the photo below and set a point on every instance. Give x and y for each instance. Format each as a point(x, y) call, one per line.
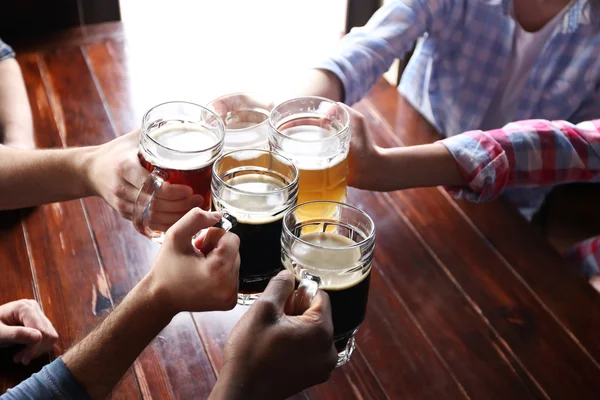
point(315, 134)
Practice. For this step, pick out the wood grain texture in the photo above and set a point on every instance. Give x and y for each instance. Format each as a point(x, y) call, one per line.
point(513, 309)
point(16, 283)
point(72, 283)
point(459, 306)
point(462, 340)
point(498, 223)
point(125, 255)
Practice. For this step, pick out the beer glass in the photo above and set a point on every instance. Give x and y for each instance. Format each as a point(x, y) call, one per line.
point(256, 187)
point(179, 143)
point(245, 116)
point(336, 253)
point(314, 133)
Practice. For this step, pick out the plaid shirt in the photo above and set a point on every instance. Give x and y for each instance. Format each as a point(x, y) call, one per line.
point(456, 70)
point(530, 153)
point(5, 51)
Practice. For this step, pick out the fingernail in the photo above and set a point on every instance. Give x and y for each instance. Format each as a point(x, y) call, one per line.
point(284, 272)
point(215, 214)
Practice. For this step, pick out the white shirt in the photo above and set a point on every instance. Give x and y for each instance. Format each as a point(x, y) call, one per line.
point(526, 50)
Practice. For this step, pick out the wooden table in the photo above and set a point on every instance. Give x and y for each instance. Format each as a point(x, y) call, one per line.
point(467, 300)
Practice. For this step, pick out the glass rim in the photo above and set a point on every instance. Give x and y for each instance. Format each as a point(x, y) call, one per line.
point(370, 235)
point(252, 94)
point(221, 127)
point(345, 128)
point(247, 192)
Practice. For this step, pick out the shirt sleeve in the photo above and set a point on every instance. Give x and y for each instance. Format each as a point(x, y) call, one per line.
point(5, 51)
point(527, 154)
point(367, 52)
point(586, 256)
point(54, 381)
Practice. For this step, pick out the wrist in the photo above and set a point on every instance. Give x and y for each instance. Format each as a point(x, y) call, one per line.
point(231, 385)
point(156, 298)
point(83, 166)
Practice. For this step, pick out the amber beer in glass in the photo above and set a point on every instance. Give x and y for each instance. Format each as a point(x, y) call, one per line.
point(337, 254)
point(314, 133)
point(179, 143)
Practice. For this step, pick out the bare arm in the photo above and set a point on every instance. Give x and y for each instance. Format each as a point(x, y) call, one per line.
point(32, 177)
point(416, 166)
point(111, 171)
point(182, 279)
point(374, 168)
point(16, 124)
point(100, 360)
point(321, 82)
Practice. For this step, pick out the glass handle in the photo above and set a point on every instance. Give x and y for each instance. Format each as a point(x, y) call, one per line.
point(227, 222)
point(306, 292)
point(143, 202)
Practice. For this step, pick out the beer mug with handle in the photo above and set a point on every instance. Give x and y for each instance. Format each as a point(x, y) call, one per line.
point(335, 254)
point(179, 143)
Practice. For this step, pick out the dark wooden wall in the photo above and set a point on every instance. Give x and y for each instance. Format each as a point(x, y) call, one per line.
point(27, 19)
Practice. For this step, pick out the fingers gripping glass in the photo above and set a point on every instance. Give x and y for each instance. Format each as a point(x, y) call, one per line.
point(333, 254)
point(179, 143)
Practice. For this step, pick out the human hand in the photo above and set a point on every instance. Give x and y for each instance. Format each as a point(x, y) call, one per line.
point(365, 157)
point(115, 174)
point(23, 322)
point(199, 276)
point(271, 354)
point(236, 102)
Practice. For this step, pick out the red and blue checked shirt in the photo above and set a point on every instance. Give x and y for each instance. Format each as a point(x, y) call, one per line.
point(530, 153)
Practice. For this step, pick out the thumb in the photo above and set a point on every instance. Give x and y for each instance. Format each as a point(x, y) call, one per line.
point(279, 290)
point(19, 335)
point(190, 224)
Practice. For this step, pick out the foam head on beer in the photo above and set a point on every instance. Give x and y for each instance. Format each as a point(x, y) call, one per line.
point(256, 187)
point(176, 138)
point(330, 256)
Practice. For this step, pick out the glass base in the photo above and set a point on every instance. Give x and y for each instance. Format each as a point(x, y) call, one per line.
point(346, 353)
point(247, 299)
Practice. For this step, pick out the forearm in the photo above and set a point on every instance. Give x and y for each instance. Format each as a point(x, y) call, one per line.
point(100, 360)
point(16, 124)
point(364, 54)
point(33, 177)
point(228, 388)
point(416, 166)
point(323, 83)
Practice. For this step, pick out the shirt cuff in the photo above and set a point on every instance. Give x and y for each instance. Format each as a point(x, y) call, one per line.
point(585, 256)
point(6, 51)
point(60, 379)
point(331, 66)
point(483, 163)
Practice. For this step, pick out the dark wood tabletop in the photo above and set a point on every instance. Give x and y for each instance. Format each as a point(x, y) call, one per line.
point(466, 301)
